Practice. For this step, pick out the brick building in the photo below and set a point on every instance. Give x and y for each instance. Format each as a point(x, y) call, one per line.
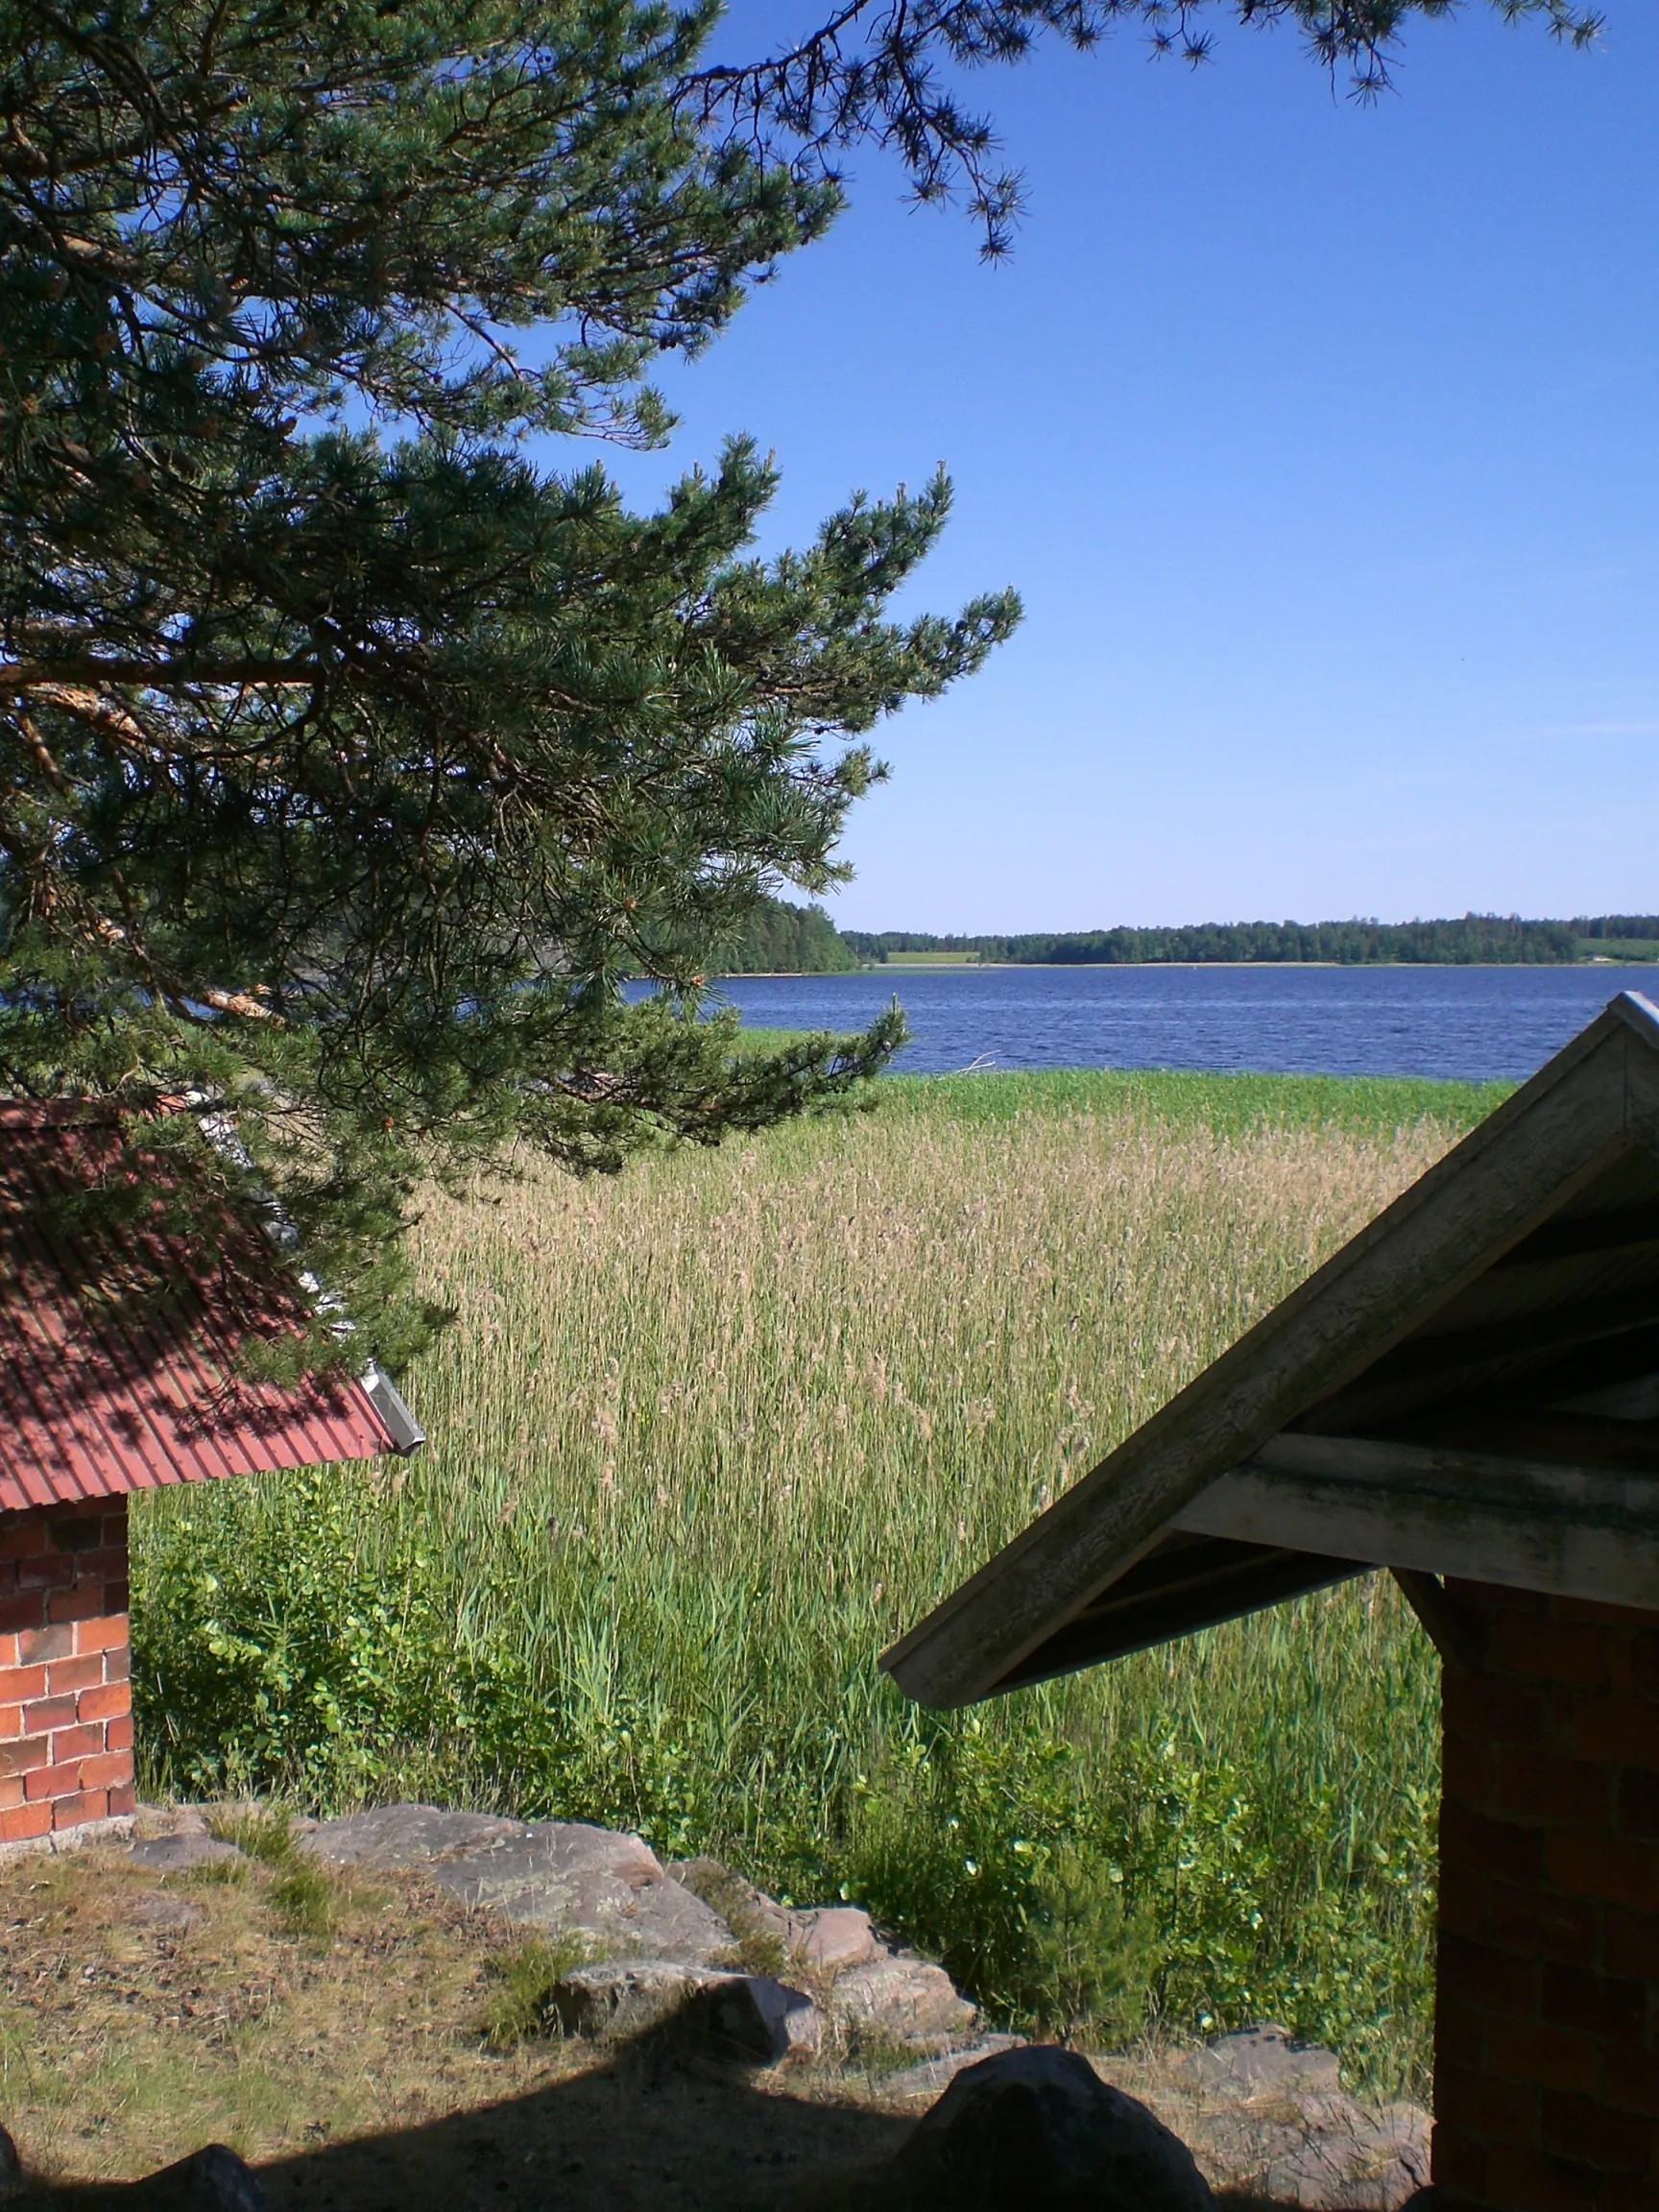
point(118, 1373)
point(1466, 1394)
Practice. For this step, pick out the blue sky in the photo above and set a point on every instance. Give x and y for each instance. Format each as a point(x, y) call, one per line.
point(1321, 441)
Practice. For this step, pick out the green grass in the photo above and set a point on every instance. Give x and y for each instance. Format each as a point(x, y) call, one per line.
point(303, 1896)
point(1376, 1106)
point(523, 1985)
point(265, 1833)
point(757, 1040)
point(707, 1438)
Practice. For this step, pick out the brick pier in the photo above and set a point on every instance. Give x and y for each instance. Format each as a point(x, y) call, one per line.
point(65, 1702)
point(1547, 2036)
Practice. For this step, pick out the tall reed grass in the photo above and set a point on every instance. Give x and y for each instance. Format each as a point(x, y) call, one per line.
point(705, 1438)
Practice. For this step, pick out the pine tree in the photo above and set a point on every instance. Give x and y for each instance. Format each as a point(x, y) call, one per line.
point(350, 756)
point(348, 759)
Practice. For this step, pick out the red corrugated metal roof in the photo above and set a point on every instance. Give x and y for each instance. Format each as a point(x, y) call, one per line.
point(117, 1354)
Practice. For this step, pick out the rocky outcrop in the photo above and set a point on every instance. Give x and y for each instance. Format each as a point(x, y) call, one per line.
point(617, 1998)
point(651, 1926)
point(212, 2180)
point(697, 1951)
point(918, 2085)
point(394, 1838)
point(179, 1853)
point(899, 1998)
point(759, 2019)
point(1267, 2116)
point(831, 1937)
point(590, 1885)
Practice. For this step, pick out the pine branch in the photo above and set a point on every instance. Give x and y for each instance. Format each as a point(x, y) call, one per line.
point(874, 73)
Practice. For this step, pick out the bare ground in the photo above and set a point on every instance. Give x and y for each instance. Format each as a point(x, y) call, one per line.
point(352, 2070)
point(342, 2034)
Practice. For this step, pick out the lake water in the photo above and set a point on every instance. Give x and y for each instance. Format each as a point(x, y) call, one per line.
point(1471, 1023)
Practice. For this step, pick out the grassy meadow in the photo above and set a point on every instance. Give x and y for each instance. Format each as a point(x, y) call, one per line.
point(705, 1438)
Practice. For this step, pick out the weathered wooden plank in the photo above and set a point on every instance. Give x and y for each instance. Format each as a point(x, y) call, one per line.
point(1550, 1380)
point(1556, 1327)
point(1433, 1368)
point(1638, 1012)
point(1576, 1531)
point(1567, 1439)
point(1546, 1480)
point(1635, 1397)
point(1537, 1151)
point(1249, 1577)
point(1641, 1020)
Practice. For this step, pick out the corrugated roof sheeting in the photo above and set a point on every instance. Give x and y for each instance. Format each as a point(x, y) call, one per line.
point(117, 1356)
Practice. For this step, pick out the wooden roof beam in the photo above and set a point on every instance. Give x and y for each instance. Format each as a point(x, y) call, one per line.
point(1624, 1230)
point(1533, 1525)
point(1532, 1388)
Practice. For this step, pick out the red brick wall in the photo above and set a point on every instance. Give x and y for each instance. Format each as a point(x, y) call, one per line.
point(1546, 2032)
point(66, 1706)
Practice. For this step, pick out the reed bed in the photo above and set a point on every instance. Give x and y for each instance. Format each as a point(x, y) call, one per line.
point(707, 1437)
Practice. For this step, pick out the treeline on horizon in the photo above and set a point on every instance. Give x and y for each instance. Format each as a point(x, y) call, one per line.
point(785, 940)
point(1474, 938)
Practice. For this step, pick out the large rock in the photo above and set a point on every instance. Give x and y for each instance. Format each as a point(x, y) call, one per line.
point(179, 1854)
point(395, 1838)
point(1352, 2159)
point(623, 1997)
point(763, 1927)
point(831, 1938)
point(754, 2018)
point(922, 2082)
point(209, 2180)
point(1038, 2127)
point(603, 1890)
point(898, 1999)
point(743, 2015)
point(213, 2179)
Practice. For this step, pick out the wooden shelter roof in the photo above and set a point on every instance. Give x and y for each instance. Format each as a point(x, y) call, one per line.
point(1469, 1386)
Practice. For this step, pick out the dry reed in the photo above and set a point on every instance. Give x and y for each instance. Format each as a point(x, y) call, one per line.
point(705, 1438)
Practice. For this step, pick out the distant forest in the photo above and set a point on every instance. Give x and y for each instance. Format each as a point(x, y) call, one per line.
point(785, 940)
point(1477, 939)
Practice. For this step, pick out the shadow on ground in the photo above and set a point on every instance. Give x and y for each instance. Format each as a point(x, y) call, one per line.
point(652, 2131)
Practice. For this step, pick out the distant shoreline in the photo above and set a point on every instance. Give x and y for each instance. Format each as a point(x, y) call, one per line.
point(1060, 966)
